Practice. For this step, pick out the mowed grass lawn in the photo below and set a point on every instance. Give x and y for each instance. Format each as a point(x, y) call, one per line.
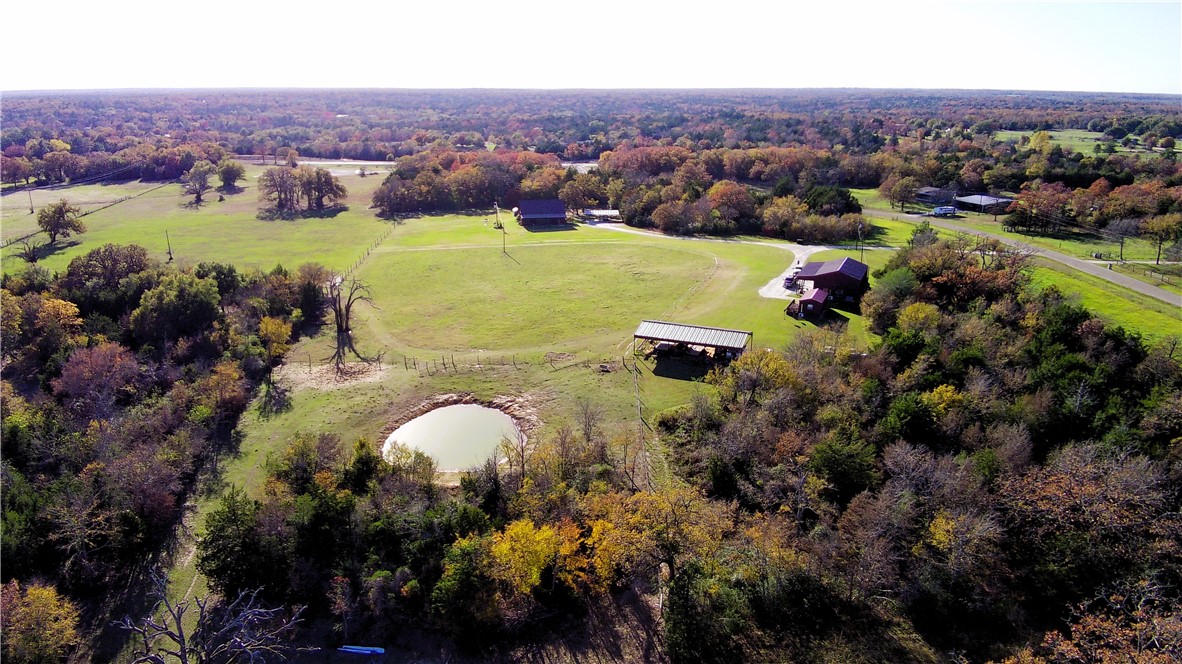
point(1079, 244)
point(1150, 317)
point(535, 296)
point(227, 231)
point(443, 284)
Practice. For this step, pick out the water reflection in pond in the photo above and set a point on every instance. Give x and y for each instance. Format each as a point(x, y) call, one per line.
point(457, 437)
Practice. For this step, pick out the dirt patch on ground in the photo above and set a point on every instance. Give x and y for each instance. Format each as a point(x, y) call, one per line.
point(522, 408)
point(326, 377)
point(607, 366)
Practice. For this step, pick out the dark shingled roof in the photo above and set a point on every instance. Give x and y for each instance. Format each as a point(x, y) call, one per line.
point(542, 208)
point(847, 266)
point(816, 296)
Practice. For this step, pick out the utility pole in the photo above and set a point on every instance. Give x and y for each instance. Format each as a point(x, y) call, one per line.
point(861, 247)
point(30, 201)
point(501, 226)
point(169, 242)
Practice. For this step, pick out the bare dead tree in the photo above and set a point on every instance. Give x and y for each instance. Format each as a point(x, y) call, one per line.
point(516, 453)
point(589, 416)
point(630, 458)
point(241, 631)
point(989, 249)
point(565, 452)
point(343, 295)
point(30, 252)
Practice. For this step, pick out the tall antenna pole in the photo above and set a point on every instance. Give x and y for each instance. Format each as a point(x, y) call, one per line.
point(497, 208)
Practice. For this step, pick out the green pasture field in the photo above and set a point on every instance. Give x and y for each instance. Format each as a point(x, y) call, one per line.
point(1080, 140)
point(891, 233)
point(226, 231)
point(1166, 275)
point(1077, 243)
point(870, 198)
point(1152, 318)
point(874, 204)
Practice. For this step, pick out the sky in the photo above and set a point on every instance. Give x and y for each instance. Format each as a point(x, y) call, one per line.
point(1018, 45)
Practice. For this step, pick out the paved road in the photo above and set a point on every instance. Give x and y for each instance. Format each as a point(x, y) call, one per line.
point(1098, 270)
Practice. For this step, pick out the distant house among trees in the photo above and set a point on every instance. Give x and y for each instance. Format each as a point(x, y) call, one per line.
point(541, 212)
point(984, 203)
point(843, 278)
point(934, 196)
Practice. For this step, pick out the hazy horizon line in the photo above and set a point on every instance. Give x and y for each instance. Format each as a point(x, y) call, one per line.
point(572, 89)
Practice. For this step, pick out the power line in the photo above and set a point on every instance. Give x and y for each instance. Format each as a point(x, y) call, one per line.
point(86, 180)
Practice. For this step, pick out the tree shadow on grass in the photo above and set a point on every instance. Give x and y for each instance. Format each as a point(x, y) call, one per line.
point(401, 217)
point(276, 400)
point(275, 214)
point(227, 444)
point(40, 252)
point(682, 367)
point(130, 595)
point(549, 228)
point(877, 237)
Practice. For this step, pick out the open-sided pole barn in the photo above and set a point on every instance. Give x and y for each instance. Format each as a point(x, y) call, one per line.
point(730, 342)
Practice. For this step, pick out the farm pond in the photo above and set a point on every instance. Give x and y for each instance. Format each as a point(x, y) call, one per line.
point(457, 437)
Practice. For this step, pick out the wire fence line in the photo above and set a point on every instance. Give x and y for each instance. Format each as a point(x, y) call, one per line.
point(349, 271)
point(117, 201)
point(452, 363)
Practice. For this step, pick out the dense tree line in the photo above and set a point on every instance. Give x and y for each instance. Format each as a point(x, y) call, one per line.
point(161, 135)
point(123, 379)
point(796, 192)
point(373, 124)
point(682, 162)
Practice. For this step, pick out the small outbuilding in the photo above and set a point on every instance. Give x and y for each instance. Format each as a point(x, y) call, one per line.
point(983, 203)
point(842, 279)
point(541, 212)
point(601, 214)
point(811, 305)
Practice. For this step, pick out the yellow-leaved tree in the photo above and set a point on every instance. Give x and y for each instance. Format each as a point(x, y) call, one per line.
point(40, 626)
point(756, 373)
point(274, 333)
point(521, 552)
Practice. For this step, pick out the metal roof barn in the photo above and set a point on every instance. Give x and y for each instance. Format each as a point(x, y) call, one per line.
point(541, 209)
point(983, 203)
point(697, 335)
